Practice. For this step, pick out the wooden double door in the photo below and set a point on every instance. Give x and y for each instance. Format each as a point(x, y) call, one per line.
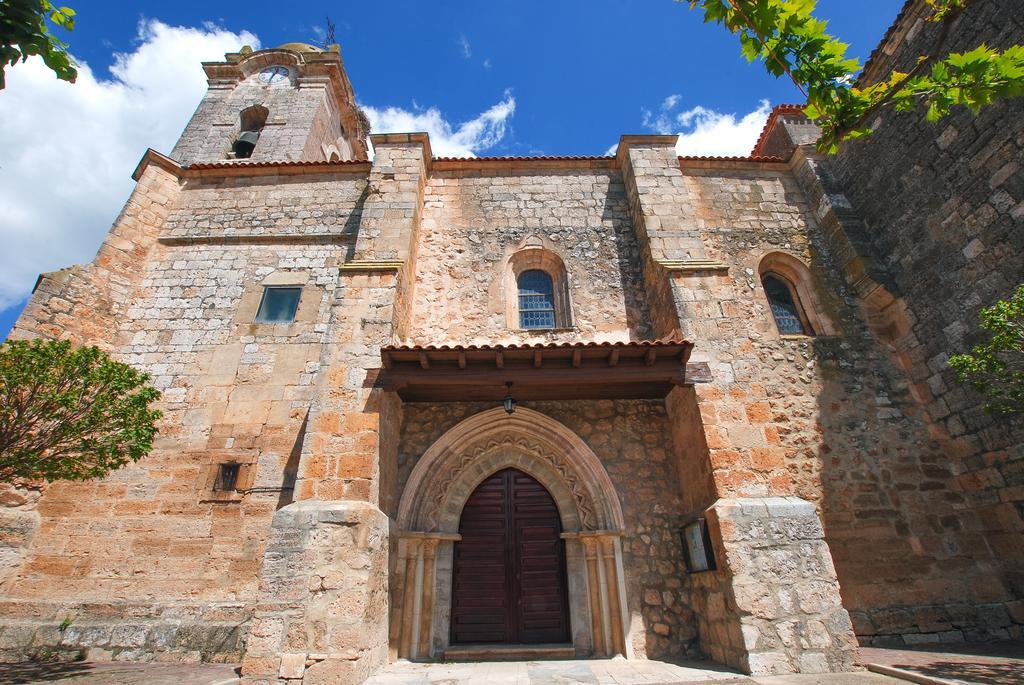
point(509, 581)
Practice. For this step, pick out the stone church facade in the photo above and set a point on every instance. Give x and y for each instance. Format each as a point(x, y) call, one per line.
point(427, 408)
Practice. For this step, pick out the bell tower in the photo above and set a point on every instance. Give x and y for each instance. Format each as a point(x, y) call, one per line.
point(291, 103)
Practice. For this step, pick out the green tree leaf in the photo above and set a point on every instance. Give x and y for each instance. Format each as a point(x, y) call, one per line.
point(71, 413)
point(25, 31)
point(789, 40)
point(995, 368)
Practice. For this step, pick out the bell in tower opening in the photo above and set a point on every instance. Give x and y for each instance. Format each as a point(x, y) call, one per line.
point(252, 121)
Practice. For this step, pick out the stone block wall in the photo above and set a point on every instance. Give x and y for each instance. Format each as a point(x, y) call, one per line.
point(783, 590)
point(153, 544)
point(322, 614)
point(474, 221)
point(123, 631)
point(943, 209)
point(829, 418)
point(223, 206)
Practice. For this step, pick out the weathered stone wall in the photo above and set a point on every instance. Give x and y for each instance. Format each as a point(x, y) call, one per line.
point(633, 441)
point(322, 615)
point(783, 589)
point(144, 630)
point(311, 611)
point(943, 206)
point(919, 491)
point(830, 419)
point(228, 208)
point(153, 541)
point(473, 221)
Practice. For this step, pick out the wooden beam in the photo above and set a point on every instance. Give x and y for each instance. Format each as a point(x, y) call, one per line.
point(424, 362)
point(613, 358)
point(650, 356)
point(462, 359)
point(499, 359)
point(577, 356)
point(538, 359)
point(521, 376)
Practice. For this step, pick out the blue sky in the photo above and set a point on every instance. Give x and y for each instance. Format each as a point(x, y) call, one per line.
point(495, 78)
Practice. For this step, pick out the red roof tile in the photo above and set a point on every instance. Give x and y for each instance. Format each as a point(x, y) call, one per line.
point(668, 342)
point(711, 158)
point(549, 158)
point(777, 111)
point(237, 164)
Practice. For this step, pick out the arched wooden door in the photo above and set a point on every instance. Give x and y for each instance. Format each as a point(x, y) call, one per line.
point(508, 581)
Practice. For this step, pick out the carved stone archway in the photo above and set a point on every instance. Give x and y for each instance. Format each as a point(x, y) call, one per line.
point(432, 502)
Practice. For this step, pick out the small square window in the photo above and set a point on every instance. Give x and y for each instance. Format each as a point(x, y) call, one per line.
point(227, 478)
point(279, 304)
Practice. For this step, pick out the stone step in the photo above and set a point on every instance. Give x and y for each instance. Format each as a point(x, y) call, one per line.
point(503, 652)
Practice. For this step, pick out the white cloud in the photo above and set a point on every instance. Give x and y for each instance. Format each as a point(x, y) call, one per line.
point(662, 121)
point(705, 131)
point(67, 151)
point(464, 140)
point(467, 51)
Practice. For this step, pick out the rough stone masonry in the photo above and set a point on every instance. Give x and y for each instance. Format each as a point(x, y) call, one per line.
point(850, 489)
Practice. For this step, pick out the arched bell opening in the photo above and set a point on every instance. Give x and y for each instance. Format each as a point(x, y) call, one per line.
point(250, 126)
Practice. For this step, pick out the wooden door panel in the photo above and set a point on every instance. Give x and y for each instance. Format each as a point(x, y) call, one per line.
point(480, 576)
point(509, 575)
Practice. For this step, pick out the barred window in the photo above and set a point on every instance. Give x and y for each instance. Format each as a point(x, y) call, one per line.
point(227, 477)
point(536, 300)
point(784, 306)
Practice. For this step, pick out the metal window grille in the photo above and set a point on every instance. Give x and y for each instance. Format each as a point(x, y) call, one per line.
point(279, 304)
point(227, 478)
point(784, 308)
point(536, 300)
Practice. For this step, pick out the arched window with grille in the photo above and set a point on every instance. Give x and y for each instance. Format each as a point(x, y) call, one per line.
point(789, 316)
point(536, 300)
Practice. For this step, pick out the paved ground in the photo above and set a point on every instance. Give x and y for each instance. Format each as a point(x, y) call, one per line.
point(589, 672)
point(599, 672)
point(89, 673)
point(1001, 664)
point(992, 664)
point(592, 671)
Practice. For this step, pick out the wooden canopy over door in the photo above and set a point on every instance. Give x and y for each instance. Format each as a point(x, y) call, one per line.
point(641, 369)
point(509, 583)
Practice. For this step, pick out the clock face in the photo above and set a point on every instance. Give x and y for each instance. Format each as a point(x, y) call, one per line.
point(274, 75)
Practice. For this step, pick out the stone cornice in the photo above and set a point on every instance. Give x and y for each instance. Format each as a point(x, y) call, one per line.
point(629, 140)
point(371, 265)
point(523, 163)
point(259, 239)
point(381, 139)
point(692, 265)
point(218, 170)
point(151, 156)
point(498, 164)
point(230, 168)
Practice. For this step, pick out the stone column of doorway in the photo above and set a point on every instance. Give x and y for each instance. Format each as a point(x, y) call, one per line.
point(606, 590)
point(322, 613)
point(414, 613)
